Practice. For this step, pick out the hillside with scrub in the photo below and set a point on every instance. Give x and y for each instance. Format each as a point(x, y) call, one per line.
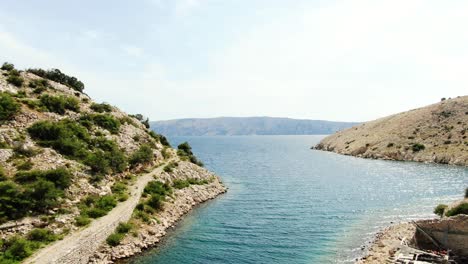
point(436, 133)
point(67, 163)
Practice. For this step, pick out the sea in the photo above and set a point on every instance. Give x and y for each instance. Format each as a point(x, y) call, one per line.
point(287, 203)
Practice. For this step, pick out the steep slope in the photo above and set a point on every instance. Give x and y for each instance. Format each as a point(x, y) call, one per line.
point(66, 161)
point(435, 133)
point(229, 126)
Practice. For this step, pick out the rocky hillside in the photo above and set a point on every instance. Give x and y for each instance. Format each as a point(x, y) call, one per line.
point(435, 133)
point(234, 126)
point(66, 160)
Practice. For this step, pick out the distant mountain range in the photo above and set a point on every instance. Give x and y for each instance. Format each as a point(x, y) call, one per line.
point(230, 126)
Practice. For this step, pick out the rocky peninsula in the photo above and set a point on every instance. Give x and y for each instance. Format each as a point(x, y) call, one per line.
point(436, 133)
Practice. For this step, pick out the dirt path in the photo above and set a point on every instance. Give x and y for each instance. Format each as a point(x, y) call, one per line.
point(79, 246)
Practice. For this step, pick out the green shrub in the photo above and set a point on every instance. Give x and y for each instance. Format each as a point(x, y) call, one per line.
point(27, 165)
point(143, 155)
point(439, 210)
point(8, 66)
point(417, 147)
point(166, 153)
point(155, 202)
point(184, 151)
point(105, 121)
point(82, 221)
point(61, 177)
point(460, 209)
point(65, 136)
point(120, 190)
point(13, 204)
point(97, 206)
point(109, 158)
point(114, 239)
point(95, 212)
point(158, 188)
point(41, 235)
point(8, 107)
point(57, 76)
point(124, 228)
point(15, 78)
point(39, 85)
point(170, 167)
point(42, 195)
point(101, 108)
point(3, 176)
point(18, 248)
point(180, 184)
point(59, 104)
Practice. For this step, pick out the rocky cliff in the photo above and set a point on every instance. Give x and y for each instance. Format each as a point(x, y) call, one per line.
point(435, 133)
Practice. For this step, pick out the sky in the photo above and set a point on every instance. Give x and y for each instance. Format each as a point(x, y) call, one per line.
point(350, 60)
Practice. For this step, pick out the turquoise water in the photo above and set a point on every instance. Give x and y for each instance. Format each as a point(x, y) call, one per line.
point(289, 204)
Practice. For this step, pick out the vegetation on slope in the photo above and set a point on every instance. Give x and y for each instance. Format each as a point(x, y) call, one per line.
point(435, 133)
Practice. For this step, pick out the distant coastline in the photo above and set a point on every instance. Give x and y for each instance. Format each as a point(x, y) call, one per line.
point(237, 126)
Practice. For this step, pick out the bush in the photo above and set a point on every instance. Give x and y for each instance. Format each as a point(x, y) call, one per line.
point(439, 210)
point(160, 138)
point(41, 235)
point(105, 121)
point(158, 188)
point(460, 209)
point(8, 107)
point(143, 155)
point(101, 108)
point(39, 85)
point(66, 136)
point(184, 151)
point(180, 184)
point(57, 76)
point(15, 78)
point(114, 239)
point(8, 66)
point(120, 190)
point(170, 167)
point(13, 204)
point(124, 228)
point(42, 195)
point(3, 176)
point(27, 165)
point(61, 177)
point(59, 104)
point(97, 206)
point(82, 221)
point(18, 248)
point(417, 147)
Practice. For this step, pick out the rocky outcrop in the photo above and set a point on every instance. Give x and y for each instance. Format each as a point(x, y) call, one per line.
point(436, 133)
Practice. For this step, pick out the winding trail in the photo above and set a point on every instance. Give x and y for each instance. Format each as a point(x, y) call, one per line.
point(81, 245)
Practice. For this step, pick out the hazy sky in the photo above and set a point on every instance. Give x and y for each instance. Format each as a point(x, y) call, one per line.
point(350, 60)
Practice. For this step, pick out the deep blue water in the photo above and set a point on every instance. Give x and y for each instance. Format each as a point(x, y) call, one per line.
point(289, 204)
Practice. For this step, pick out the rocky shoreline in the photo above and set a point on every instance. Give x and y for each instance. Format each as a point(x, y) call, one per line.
point(150, 234)
point(385, 242)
